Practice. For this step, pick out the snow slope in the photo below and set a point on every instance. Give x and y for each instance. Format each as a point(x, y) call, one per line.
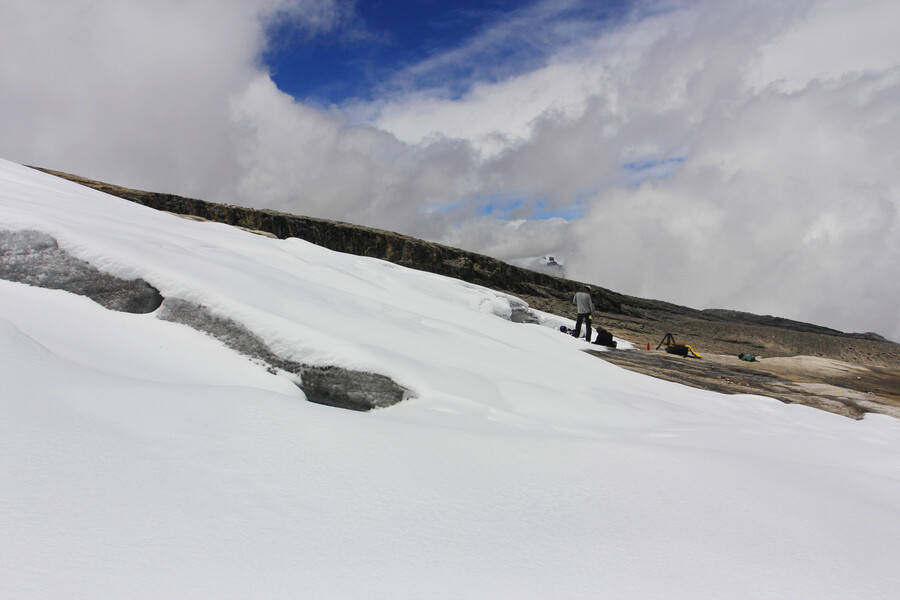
point(142, 459)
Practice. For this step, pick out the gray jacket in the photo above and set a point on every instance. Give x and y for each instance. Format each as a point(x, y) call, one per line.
point(584, 303)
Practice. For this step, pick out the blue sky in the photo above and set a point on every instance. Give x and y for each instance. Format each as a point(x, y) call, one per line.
point(363, 52)
point(365, 48)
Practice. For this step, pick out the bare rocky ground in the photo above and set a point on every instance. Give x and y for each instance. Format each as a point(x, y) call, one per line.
point(845, 373)
point(849, 376)
point(833, 385)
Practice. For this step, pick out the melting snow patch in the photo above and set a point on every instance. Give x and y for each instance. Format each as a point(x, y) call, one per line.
point(36, 259)
point(329, 385)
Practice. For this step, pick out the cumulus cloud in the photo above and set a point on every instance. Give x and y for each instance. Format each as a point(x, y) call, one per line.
point(720, 159)
point(303, 160)
point(134, 90)
point(732, 154)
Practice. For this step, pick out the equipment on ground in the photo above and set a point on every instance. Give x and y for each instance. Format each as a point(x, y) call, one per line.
point(673, 347)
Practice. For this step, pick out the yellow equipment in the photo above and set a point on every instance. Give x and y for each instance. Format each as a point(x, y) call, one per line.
point(673, 347)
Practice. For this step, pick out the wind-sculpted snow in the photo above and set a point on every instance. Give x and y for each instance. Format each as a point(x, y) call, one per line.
point(35, 258)
point(332, 386)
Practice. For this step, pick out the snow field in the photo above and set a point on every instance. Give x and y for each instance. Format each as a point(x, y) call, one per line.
point(142, 459)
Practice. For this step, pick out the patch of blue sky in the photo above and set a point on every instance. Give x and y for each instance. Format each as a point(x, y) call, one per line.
point(567, 213)
point(383, 47)
point(500, 207)
point(443, 207)
point(366, 49)
point(636, 172)
point(505, 208)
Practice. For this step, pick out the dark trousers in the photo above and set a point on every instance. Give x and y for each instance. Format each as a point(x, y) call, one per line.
point(586, 318)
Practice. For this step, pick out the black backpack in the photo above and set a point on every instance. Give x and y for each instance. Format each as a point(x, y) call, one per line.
point(677, 349)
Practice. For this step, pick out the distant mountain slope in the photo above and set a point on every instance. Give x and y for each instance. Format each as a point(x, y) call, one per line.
point(644, 321)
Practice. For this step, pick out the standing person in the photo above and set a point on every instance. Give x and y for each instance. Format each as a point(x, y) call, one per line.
point(585, 307)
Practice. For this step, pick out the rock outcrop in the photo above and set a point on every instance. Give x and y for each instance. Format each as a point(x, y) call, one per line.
point(36, 259)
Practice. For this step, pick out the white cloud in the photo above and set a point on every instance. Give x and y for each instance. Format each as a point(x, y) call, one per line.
point(494, 115)
point(136, 91)
point(761, 137)
point(787, 199)
point(299, 159)
point(836, 38)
